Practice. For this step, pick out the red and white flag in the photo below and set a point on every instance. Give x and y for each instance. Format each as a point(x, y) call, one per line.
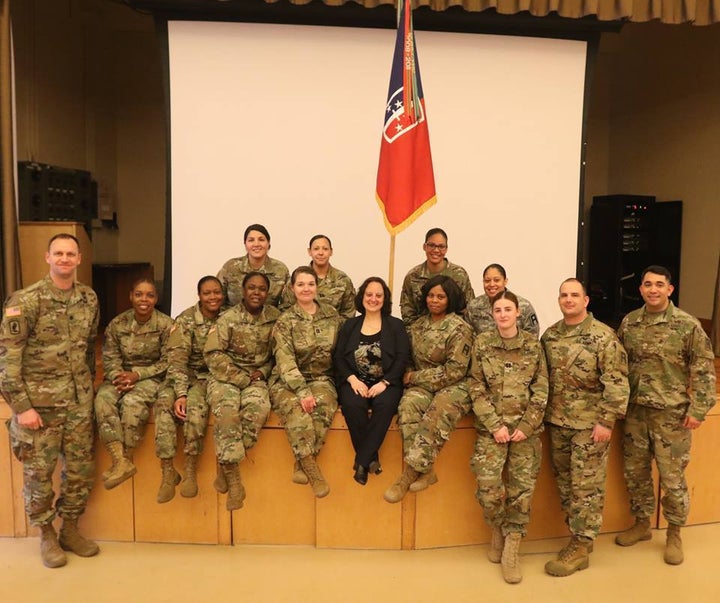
point(405, 180)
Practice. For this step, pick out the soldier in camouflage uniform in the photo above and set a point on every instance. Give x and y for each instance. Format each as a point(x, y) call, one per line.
point(412, 302)
point(134, 365)
point(257, 244)
point(509, 389)
point(672, 388)
point(479, 310)
point(47, 367)
point(436, 395)
point(588, 392)
point(239, 356)
point(334, 286)
point(183, 396)
point(302, 390)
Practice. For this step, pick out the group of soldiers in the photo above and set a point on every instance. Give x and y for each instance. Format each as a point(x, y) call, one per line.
point(657, 373)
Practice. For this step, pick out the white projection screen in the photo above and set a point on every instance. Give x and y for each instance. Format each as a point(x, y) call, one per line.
point(281, 125)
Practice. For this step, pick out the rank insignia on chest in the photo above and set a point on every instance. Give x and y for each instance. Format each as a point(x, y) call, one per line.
point(318, 331)
point(508, 365)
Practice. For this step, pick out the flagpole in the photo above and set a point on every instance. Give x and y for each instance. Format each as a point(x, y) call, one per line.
point(391, 269)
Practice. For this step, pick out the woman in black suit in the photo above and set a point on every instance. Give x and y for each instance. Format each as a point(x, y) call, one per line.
point(370, 356)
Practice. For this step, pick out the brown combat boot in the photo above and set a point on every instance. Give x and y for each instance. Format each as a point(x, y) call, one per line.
point(298, 476)
point(50, 551)
point(236, 490)
point(639, 531)
point(496, 545)
point(511, 558)
point(170, 479)
point(673, 546)
point(71, 540)
point(574, 557)
point(424, 481)
point(398, 490)
point(121, 469)
point(318, 484)
point(188, 486)
point(220, 484)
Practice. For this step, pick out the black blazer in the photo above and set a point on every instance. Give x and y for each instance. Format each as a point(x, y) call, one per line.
point(394, 344)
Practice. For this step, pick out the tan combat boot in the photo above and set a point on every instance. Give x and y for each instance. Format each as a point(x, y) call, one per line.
point(424, 481)
point(318, 484)
point(71, 540)
point(398, 490)
point(673, 546)
point(496, 545)
point(188, 486)
point(170, 479)
point(236, 490)
point(572, 558)
point(299, 476)
point(639, 531)
point(511, 558)
point(220, 484)
point(121, 469)
point(50, 551)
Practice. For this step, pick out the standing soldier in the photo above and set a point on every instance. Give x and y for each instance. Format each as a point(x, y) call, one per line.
point(412, 302)
point(672, 388)
point(509, 387)
point(588, 391)
point(47, 349)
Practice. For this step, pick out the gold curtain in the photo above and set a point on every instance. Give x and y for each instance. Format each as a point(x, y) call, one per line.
point(699, 12)
point(9, 251)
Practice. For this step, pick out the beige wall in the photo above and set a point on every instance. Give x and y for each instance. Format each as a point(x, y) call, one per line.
point(663, 88)
point(89, 96)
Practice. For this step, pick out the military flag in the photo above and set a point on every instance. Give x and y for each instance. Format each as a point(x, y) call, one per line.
point(405, 180)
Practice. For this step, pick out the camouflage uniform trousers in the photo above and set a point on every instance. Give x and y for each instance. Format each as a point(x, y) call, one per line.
point(122, 417)
point(194, 426)
point(306, 432)
point(67, 433)
point(658, 433)
point(239, 417)
point(580, 469)
point(506, 500)
point(427, 419)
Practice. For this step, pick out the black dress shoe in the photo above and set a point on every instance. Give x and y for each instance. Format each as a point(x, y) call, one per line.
point(361, 475)
point(375, 467)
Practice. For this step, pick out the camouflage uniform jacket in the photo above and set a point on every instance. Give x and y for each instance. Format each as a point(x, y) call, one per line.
point(335, 289)
point(479, 315)
point(141, 348)
point(671, 362)
point(508, 382)
point(303, 345)
point(240, 344)
point(186, 343)
point(440, 351)
point(47, 346)
point(588, 375)
point(412, 306)
point(233, 272)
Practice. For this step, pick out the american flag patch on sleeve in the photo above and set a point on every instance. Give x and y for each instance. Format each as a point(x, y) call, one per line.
point(13, 311)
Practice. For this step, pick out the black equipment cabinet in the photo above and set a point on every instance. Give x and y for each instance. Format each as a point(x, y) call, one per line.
point(627, 234)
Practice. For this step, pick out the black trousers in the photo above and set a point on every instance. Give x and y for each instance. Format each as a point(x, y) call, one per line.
point(368, 419)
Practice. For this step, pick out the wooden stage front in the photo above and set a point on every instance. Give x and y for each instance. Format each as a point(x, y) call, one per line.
point(277, 511)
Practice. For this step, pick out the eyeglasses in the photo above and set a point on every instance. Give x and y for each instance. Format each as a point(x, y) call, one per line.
point(433, 246)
